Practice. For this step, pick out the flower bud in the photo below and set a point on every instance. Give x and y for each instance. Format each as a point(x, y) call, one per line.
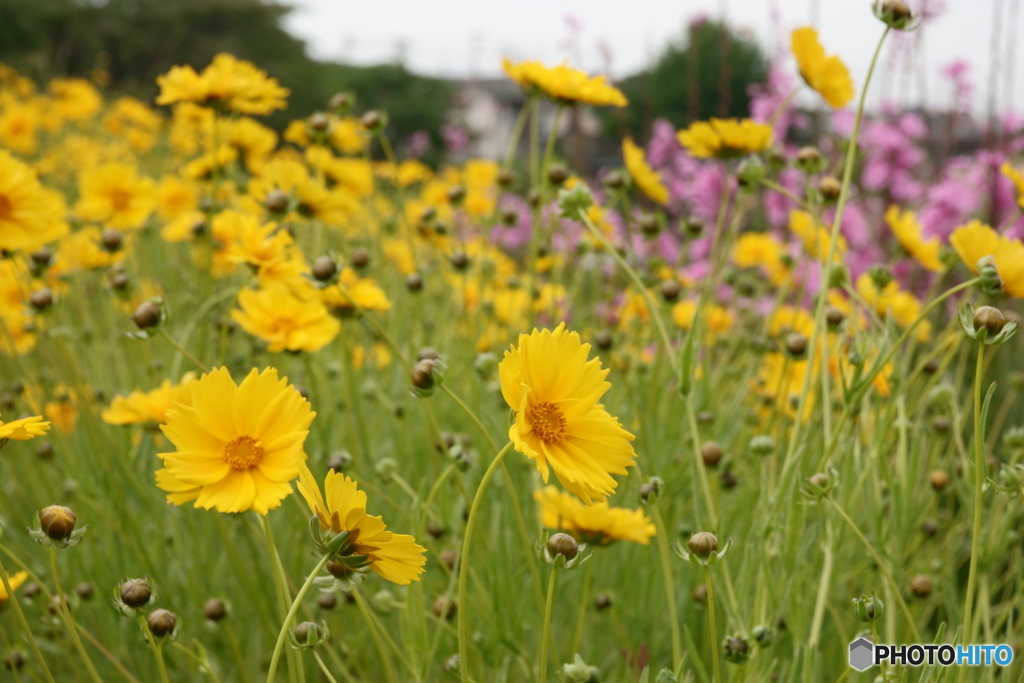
point(84, 591)
point(327, 601)
point(324, 268)
point(57, 522)
point(111, 239)
point(579, 672)
point(564, 545)
point(215, 609)
point(880, 276)
point(136, 593)
point(699, 594)
point(867, 608)
point(444, 607)
point(119, 281)
point(360, 258)
point(711, 453)
point(736, 648)
point(809, 160)
point(341, 102)
point(319, 122)
point(339, 461)
point(929, 527)
point(796, 344)
point(41, 299)
point(372, 120)
point(456, 193)
point(459, 260)
point(703, 544)
point(423, 374)
point(602, 602)
point(505, 178)
point(651, 489)
point(414, 282)
point(448, 558)
point(148, 314)
point(558, 174)
point(649, 224)
point(939, 479)
point(303, 630)
point(161, 622)
point(921, 586)
point(762, 444)
point(614, 180)
point(339, 570)
point(762, 636)
point(990, 318)
point(694, 225)
point(829, 188)
point(603, 340)
point(670, 290)
point(834, 317)
point(14, 660)
point(42, 257)
point(895, 13)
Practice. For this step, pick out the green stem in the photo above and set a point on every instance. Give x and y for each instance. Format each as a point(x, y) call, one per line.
point(517, 133)
point(665, 556)
point(292, 611)
point(181, 349)
point(464, 563)
point(69, 621)
point(295, 673)
point(979, 478)
point(881, 566)
point(711, 625)
point(323, 667)
point(157, 649)
point(823, 586)
point(13, 600)
point(581, 617)
point(365, 611)
point(547, 626)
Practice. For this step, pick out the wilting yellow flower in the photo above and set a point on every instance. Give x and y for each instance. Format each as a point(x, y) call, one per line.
point(725, 138)
point(816, 238)
point(891, 300)
point(646, 178)
point(285, 321)
point(30, 215)
point(975, 241)
point(826, 74)
point(559, 424)
point(233, 83)
point(140, 407)
point(364, 292)
point(24, 429)
point(395, 557)
point(117, 195)
point(761, 250)
point(15, 580)
point(597, 523)
point(237, 446)
point(565, 84)
point(908, 231)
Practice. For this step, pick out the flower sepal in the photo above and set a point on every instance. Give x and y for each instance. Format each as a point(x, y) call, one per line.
point(309, 635)
point(561, 560)
point(818, 486)
point(980, 325)
point(697, 560)
point(575, 201)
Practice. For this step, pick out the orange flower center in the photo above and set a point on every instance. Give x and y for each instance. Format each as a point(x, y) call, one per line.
point(548, 422)
point(120, 199)
point(243, 453)
point(6, 207)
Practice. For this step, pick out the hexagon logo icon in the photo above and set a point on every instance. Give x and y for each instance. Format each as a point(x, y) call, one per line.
point(862, 654)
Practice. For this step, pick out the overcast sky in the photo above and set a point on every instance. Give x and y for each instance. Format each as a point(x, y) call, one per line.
point(468, 37)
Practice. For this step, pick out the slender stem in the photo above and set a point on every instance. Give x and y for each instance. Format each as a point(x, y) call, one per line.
point(106, 653)
point(823, 586)
point(13, 600)
point(702, 474)
point(881, 566)
point(181, 349)
point(296, 603)
point(772, 185)
point(711, 625)
point(281, 585)
point(517, 133)
point(464, 563)
point(670, 589)
point(69, 621)
point(581, 618)
point(361, 603)
point(323, 667)
point(979, 478)
point(547, 626)
point(157, 649)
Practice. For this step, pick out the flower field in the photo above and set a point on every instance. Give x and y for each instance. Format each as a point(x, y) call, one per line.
point(300, 407)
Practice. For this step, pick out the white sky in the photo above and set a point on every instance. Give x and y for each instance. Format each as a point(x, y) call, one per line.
point(469, 37)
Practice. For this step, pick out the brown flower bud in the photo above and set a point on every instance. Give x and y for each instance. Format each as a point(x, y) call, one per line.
point(319, 121)
point(448, 558)
point(897, 9)
point(820, 480)
point(728, 479)
point(614, 180)
point(360, 258)
point(42, 256)
point(339, 570)
point(990, 318)
point(14, 660)
point(41, 299)
point(505, 178)
point(414, 282)
point(603, 339)
point(371, 119)
point(57, 522)
point(694, 225)
point(941, 424)
point(808, 156)
point(829, 188)
point(136, 593)
point(670, 290)
point(930, 367)
point(558, 174)
point(339, 100)
point(324, 268)
point(119, 281)
point(711, 453)
point(147, 315)
point(702, 544)
point(303, 629)
point(84, 591)
point(921, 586)
point(327, 601)
point(456, 193)
point(648, 223)
point(564, 545)
point(444, 607)
point(276, 201)
point(339, 461)
point(459, 260)
point(602, 602)
point(699, 594)
point(161, 622)
point(112, 239)
point(929, 527)
point(509, 216)
point(796, 344)
point(939, 479)
point(215, 609)
point(834, 317)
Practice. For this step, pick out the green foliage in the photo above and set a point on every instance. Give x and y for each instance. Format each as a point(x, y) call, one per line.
point(706, 73)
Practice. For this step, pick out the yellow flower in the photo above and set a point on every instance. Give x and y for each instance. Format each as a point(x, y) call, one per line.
point(554, 391)
point(400, 254)
point(779, 384)
point(826, 74)
point(81, 250)
point(785, 319)
point(18, 128)
point(175, 197)
point(272, 252)
point(363, 291)
point(646, 178)
point(117, 195)
point(233, 83)
point(724, 138)
point(237, 446)
point(15, 580)
point(715, 320)
point(30, 215)
point(565, 84)
point(140, 407)
point(597, 523)
point(395, 557)
point(24, 429)
point(975, 241)
point(75, 99)
point(1015, 177)
point(891, 300)
point(285, 321)
point(412, 171)
point(908, 231)
point(758, 249)
point(816, 238)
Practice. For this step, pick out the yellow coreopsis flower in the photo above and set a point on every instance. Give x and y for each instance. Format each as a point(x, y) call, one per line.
point(1017, 178)
point(908, 231)
point(30, 215)
point(364, 292)
point(228, 81)
point(975, 241)
point(140, 407)
point(725, 138)
point(826, 74)
point(117, 195)
point(564, 84)
point(816, 238)
point(715, 320)
point(237, 446)
point(75, 99)
point(395, 557)
point(644, 177)
point(786, 319)
point(761, 250)
point(597, 523)
point(15, 580)
point(284, 320)
point(559, 424)
point(18, 128)
point(891, 300)
point(24, 429)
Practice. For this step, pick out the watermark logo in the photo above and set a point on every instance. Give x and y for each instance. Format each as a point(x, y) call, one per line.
point(864, 654)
